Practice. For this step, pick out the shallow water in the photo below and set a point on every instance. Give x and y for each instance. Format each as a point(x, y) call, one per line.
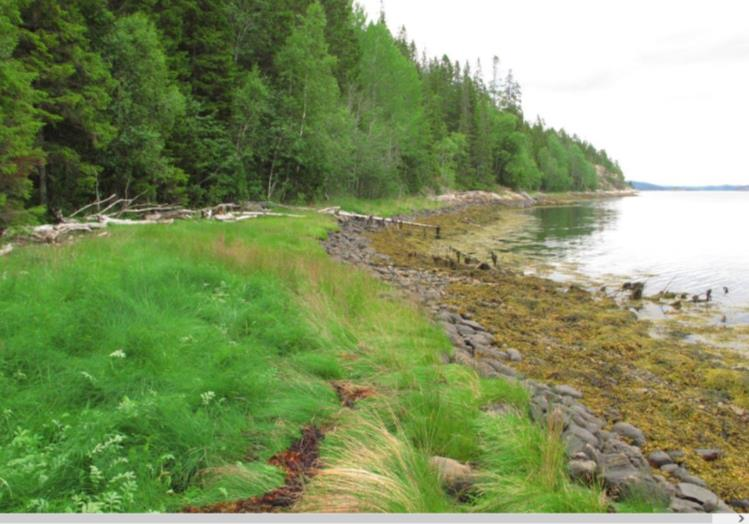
point(681, 241)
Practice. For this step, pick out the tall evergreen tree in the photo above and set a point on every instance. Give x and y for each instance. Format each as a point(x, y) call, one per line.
point(19, 121)
point(75, 87)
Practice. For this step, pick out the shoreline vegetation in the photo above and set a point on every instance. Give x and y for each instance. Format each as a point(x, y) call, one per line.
point(181, 363)
point(686, 397)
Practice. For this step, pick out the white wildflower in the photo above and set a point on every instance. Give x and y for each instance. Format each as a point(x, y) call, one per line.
point(88, 376)
point(118, 354)
point(207, 397)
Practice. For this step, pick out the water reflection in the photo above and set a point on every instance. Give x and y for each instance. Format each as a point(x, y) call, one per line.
point(683, 242)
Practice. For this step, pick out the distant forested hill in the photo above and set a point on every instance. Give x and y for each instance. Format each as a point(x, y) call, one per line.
point(199, 102)
point(646, 186)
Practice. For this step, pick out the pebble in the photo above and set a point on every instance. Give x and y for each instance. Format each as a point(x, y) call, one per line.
point(709, 454)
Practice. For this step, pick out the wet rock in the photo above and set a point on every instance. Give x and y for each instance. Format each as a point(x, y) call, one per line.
point(567, 391)
point(481, 339)
point(582, 434)
point(447, 316)
point(684, 476)
point(455, 477)
point(490, 353)
point(742, 504)
point(709, 454)
point(502, 369)
point(514, 355)
point(659, 458)
point(582, 470)
point(619, 476)
point(537, 414)
point(685, 506)
point(630, 432)
point(465, 330)
point(702, 496)
point(471, 324)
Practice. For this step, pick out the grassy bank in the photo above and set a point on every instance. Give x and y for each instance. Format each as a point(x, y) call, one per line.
point(163, 366)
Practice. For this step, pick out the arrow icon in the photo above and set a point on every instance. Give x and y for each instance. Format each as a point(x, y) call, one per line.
point(741, 519)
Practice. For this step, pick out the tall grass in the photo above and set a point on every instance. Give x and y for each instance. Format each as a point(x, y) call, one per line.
point(131, 364)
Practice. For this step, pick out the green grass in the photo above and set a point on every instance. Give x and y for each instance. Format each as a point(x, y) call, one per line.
point(163, 366)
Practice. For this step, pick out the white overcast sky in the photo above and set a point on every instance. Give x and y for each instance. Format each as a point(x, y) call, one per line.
point(662, 85)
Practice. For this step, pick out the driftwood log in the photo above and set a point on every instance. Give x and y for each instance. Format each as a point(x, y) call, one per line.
point(371, 219)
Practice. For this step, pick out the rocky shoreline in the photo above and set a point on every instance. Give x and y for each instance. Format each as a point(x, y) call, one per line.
point(595, 453)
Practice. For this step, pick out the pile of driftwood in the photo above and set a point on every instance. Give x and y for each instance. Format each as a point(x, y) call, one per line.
point(126, 212)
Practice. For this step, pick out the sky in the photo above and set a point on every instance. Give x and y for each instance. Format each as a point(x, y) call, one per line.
point(662, 85)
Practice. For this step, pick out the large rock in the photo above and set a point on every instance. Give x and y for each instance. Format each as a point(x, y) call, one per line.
point(582, 470)
point(659, 458)
point(706, 498)
point(568, 391)
point(685, 506)
point(630, 432)
point(455, 477)
point(684, 476)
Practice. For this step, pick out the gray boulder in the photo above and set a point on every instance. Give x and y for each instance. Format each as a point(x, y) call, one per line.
point(659, 458)
point(706, 498)
point(582, 470)
point(568, 391)
point(630, 432)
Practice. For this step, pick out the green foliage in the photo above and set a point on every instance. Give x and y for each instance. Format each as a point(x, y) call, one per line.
point(75, 87)
point(307, 104)
point(200, 102)
point(19, 121)
point(145, 106)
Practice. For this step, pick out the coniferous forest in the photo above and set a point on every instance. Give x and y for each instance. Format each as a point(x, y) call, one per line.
point(198, 102)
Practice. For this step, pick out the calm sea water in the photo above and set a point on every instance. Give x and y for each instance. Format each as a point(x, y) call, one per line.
point(685, 241)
